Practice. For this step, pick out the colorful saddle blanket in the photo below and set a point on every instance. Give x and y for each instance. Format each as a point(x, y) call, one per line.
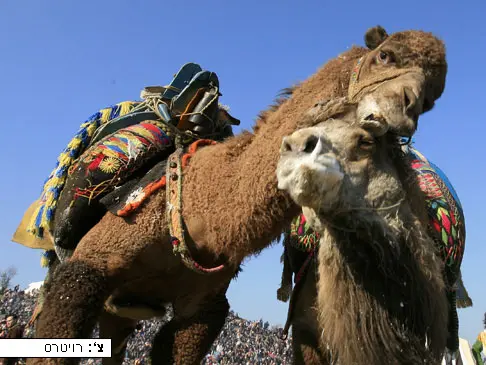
point(108, 165)
point(446, 217)
point(117, 144)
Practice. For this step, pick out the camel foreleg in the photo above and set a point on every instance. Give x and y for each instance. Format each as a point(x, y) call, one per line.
point(118, 330)
point(306, 349)
point(73, 301)
point(187, 341)
point(51, 268)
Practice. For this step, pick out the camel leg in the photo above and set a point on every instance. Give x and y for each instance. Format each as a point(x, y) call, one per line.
point(119, 330)
point(40, 297)
point(187, 341)
point(306, 349)
point(73, 301)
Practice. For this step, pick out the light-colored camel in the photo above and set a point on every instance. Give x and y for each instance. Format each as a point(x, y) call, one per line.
point(301, 245)
point(231, 207)
point(380, 290)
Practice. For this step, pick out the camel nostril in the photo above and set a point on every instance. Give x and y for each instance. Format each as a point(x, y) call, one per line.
point(409, 98)
point(286, 146)
point(310, 144)
point(406, 100)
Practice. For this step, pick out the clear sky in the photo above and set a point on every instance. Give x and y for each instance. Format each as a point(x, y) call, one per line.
point(61, 61)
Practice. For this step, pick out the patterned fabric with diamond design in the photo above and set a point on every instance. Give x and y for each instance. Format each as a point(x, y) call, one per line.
point(446, 217)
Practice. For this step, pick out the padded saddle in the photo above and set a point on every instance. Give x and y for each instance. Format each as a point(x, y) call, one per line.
point(190, 102)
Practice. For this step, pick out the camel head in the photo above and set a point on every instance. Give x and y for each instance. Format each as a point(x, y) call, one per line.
point(337, 160)
point(350, 178)
point(400, 77)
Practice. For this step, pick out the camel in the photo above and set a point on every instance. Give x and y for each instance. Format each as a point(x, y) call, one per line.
point(227, 208)
point(301, 244)
point(381, 294)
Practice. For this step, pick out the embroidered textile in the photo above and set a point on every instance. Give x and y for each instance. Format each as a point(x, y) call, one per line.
point(446, 218)
point(44, 215)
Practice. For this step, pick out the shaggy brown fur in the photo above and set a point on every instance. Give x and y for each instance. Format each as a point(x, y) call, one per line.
point(381, 291)
point(75, 283)
point(79, 285)
point(188, 341)
point(231, 207)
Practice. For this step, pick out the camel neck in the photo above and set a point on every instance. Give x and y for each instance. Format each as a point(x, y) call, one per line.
point(231, 204)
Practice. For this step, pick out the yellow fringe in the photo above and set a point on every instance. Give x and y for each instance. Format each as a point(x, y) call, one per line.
point(125, 107)
point(74, 144)
point(32, 225)
point(105, 115)
point(44, 261)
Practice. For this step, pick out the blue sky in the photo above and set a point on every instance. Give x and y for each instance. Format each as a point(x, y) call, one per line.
point(61, 61)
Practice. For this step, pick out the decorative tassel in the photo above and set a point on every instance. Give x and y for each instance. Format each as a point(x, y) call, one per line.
point(126, 107)
point(105, 115)
point(45, 259)
point(42, 217)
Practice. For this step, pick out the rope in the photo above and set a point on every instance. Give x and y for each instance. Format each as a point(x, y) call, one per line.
point(369, 81)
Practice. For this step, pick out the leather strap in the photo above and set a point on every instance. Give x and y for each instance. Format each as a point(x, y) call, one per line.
point(174, 178)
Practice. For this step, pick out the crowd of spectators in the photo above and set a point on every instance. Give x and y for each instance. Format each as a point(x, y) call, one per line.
point(249, 342)
point(241, 342)
point(19, 303)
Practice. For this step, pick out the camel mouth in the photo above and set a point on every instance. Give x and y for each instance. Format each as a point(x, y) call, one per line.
point(305, 181)
point(317, 171)
point(375, 118)
point(323, 170)
point(326, 165)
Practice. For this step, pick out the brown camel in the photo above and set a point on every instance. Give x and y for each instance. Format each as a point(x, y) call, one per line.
point(231, 208)
point(380, 291)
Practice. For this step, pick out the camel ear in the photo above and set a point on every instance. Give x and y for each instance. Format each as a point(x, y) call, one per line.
point(375, 36)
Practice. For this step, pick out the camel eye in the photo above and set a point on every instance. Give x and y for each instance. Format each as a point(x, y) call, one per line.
point(384, 58)
point(366, 143)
